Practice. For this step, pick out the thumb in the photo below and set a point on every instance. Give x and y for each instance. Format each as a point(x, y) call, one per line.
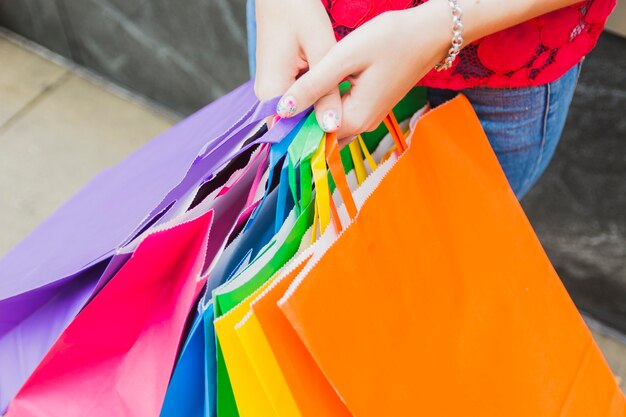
point(328, 107)
point(320, 81)
point(328, 110)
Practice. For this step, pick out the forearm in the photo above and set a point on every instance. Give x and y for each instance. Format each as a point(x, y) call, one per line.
point(389, 54)
point(483, 17)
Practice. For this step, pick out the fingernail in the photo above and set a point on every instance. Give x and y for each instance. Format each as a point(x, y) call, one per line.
point(286, 107)
point(330, 121)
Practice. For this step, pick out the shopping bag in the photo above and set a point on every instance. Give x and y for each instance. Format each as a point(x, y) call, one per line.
point(191, 391)
point(267, 374)
point(44, 284)
point(116, 357)
point(192, 388)
point(306, 156)
point(438, 298)
point(270, 259)
point(210, 361)
point(282, 364)
point(248, 393)
point(250, 398)
point(226, 203)
point(94, 222)
point(185, 393)
point(251, 394)
point(240, 252)
point(285, 367)
point(235, 201)
point(243, 248)
point(182, 393)
point(66, 300)
point(277, 252)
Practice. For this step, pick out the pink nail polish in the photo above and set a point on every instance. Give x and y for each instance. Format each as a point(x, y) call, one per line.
point(286, 107)
point(330, 121)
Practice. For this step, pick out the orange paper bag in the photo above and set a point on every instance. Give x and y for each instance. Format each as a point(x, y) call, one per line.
point(438, 299)
point(289, 358)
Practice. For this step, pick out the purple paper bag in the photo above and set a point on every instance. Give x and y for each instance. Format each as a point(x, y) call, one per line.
point(53, 272)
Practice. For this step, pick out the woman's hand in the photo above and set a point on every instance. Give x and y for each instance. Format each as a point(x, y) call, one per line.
point(292, 37)
point(383, 59)
point(388, 55)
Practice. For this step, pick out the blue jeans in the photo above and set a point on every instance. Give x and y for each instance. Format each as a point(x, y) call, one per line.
point(523, 125)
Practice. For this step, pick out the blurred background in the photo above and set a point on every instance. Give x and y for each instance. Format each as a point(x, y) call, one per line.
point(84, 82)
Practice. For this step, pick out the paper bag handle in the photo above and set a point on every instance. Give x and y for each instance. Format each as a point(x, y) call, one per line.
point(335, 165)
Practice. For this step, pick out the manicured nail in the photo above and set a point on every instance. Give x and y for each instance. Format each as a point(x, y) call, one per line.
point(286, 107)
point(330, 121)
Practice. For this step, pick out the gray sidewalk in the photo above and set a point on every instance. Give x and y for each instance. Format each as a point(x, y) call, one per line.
point(59, 127)
point(57, 130)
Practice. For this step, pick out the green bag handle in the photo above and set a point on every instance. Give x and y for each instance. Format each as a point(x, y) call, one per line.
point(310, 135)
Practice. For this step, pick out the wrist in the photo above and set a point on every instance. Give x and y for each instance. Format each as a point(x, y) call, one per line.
point(433, 18)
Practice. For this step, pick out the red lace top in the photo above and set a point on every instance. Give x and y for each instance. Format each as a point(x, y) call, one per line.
point(533, 53)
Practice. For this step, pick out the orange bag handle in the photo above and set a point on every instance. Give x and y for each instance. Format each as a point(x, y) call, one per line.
point(333, 160)
point(396, 133)
point(325, 209)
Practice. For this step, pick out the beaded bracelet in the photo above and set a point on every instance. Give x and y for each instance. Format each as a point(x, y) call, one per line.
point(457, 39)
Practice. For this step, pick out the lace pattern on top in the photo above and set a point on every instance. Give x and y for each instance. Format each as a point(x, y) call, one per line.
point(535, 52)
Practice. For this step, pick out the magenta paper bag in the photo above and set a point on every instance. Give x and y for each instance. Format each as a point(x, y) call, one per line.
point(49, 277)
point(116, 357)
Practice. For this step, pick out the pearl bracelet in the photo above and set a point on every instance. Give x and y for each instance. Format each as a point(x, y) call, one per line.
point(457, 39)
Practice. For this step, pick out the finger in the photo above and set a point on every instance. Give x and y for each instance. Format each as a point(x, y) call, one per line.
point(321, 79)
point(328, 107)
point(275, 72)
point(368, 102)
point(359, 108)
point(359, 120)
point(345, 142)
point(328, 111)
point(277, 63)
point(269, 86)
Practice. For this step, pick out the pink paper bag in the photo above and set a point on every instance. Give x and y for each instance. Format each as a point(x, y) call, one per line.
point(116, 357)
